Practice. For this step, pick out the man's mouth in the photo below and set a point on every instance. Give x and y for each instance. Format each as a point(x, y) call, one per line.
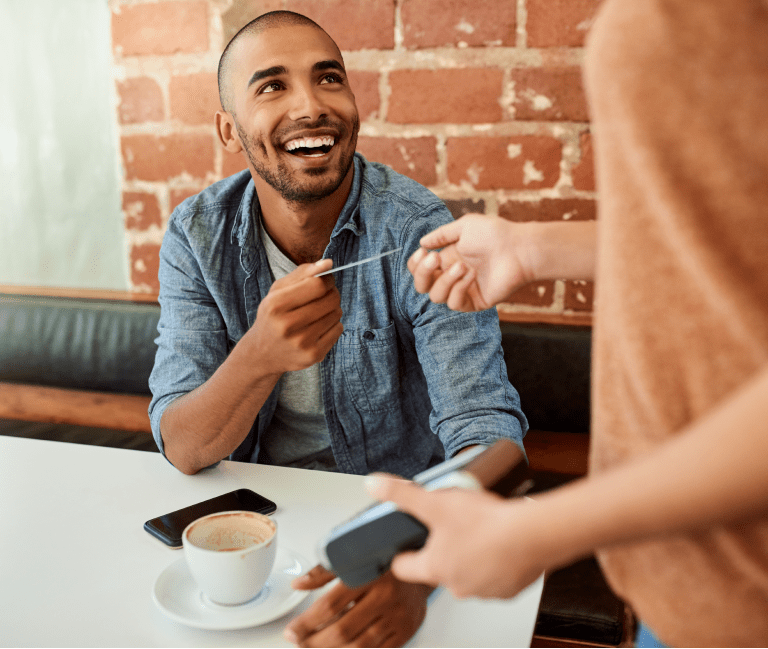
point(310, 147)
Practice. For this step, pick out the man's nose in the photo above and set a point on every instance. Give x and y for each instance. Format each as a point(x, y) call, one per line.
point(307, 103)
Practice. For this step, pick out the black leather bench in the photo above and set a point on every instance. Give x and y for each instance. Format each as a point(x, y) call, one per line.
point(76, 370)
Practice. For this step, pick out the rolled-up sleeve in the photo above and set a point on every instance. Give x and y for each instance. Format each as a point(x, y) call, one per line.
point(462, 359)
point(192, 341)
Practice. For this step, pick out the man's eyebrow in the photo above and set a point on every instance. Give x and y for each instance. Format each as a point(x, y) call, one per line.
point(274, 71)
point(330, 64)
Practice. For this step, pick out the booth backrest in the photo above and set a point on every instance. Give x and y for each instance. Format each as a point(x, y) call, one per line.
point(100, 345)
point(550, 367)
point(109, 346)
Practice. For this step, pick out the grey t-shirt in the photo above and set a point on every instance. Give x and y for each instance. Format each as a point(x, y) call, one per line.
point(297, 436)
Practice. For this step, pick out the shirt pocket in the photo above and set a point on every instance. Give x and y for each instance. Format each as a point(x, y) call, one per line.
point(371, 370)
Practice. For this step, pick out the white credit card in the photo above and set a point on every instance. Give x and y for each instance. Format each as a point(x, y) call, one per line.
point(357, 263)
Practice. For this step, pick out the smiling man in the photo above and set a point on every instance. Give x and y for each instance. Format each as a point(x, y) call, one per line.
point(260, 360)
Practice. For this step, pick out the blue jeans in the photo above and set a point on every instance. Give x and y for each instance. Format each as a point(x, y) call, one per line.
point(646, 638)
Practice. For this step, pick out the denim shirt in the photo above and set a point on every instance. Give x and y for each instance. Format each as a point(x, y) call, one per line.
point(408, 383)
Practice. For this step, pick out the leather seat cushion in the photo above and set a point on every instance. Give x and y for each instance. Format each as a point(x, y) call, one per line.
point(578, 604)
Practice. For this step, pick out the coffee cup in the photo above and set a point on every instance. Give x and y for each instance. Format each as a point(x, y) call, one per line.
point(230, 554)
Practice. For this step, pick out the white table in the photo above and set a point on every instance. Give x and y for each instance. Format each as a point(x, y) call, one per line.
point(77, 567)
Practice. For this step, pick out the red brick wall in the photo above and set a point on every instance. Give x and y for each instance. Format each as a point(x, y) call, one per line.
point(479, 100)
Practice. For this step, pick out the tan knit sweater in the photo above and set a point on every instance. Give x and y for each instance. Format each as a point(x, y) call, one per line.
point(679, 96)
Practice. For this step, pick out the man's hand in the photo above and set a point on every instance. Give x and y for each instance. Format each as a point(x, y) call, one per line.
point(299, 320)
point(478, 266)
point(384, 613)
point(479, 544)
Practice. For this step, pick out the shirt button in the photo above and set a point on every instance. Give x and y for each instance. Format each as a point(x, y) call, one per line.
point(369, 335)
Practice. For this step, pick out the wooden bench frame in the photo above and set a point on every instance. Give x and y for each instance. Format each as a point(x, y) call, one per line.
point(78, 407)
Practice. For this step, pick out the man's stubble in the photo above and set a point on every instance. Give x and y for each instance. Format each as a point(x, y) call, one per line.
point(283, 180)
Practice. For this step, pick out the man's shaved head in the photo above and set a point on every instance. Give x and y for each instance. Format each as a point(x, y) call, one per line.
point(253, 28)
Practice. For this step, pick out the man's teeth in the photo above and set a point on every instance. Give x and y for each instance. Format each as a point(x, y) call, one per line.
point(309, 143)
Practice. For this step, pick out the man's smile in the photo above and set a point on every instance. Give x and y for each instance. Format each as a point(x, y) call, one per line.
point(310, 147)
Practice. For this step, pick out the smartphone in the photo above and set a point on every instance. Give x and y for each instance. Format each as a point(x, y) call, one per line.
point(169, 527)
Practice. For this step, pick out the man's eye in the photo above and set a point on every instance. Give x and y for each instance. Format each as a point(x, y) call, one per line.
point(269, 87)
point(331, 78)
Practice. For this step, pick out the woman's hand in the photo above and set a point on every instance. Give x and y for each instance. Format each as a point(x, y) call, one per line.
point(480, 262)
point(479, 545)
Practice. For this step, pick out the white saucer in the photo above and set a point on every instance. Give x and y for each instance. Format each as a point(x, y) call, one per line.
point(178, 596)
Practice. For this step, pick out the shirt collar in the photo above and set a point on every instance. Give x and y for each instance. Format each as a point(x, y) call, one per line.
point(349, 219)
point(241, 228)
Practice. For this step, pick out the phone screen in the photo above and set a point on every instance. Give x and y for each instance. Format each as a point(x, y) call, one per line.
point(169, 527)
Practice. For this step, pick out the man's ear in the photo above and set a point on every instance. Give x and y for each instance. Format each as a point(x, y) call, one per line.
point(227, 131)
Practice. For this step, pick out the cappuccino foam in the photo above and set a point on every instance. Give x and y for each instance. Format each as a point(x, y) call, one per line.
point(230, 531)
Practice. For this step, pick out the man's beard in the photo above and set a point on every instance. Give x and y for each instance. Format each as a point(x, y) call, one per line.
point(283, 179)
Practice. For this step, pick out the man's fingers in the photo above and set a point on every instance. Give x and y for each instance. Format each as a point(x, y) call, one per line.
point(304, 271)
point(315, 578)
point(327, 317)
point(318, 267)
point(392, 640)
point(303, 315)
point(329, 338)
point(442, 236)
point(294, 295)
point(374, 633)
point(323, 612)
